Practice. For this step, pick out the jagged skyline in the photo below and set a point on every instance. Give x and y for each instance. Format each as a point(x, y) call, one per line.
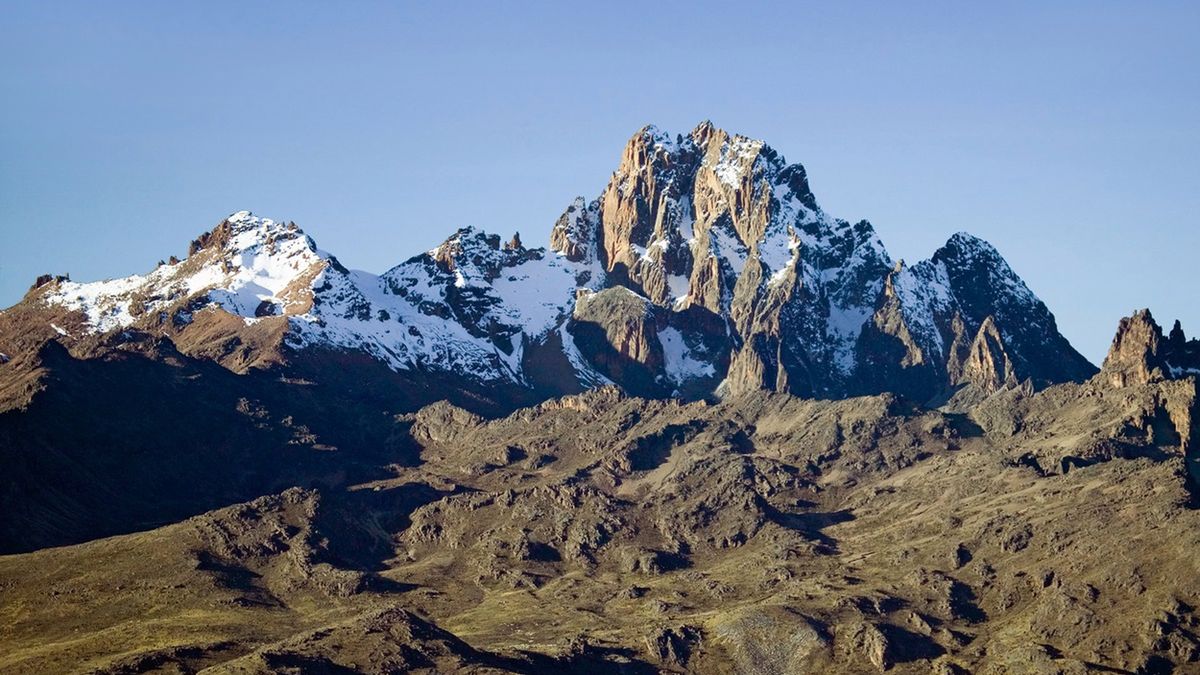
point(619, 338)
point(706, 266)
point(139, 129)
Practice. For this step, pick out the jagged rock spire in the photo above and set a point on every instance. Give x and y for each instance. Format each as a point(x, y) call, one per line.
point(1135, 354)
point(1140, 354)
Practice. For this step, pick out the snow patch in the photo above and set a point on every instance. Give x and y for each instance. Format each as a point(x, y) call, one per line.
point(535, 295)
point(924, 293)
point(678, 361)
point(1178, 372)
point(726, 246)
point(736, 156)
point(679, 287)
point(845, 325)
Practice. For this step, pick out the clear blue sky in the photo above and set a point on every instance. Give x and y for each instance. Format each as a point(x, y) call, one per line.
point(1067, 135)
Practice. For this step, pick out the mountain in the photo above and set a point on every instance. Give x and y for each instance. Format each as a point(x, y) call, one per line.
point(709, 429)
point(705, 268)
point(751, 285)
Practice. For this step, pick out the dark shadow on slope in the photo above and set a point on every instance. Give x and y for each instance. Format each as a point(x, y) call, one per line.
point(1191, 479)
point(178, 659)
point(963, 426)
point(587, 659)
point(128, 443)
point(964, 604)
point(649, 452)
point(235, 577)
point(1093, 667)
point(359, 525)
point(905, 646)
point(310, 665)
point(811, 523)
point(635, 378)
point(1156, 665)
point(1029, 461)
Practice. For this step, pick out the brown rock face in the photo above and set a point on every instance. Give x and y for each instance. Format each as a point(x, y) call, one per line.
point(889, 319)
point(722, 224)
point(1141, 357)
point(695, 207)
point(755, 367)
point(987, 365)
point(1136, 353)
point(218, 237)
point(575, 234)
point(616, 329)
point(44, 279)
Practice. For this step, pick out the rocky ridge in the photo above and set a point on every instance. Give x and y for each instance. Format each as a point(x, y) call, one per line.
point(706, 267)
point(1141, 354)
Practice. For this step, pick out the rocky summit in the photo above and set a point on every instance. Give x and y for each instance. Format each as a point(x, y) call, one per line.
point(710, 428)
point(705, 268)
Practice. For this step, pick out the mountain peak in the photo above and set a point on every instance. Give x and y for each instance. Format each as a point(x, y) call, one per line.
point(249, 266)
point(243, 231)
point(1141, 354)
point(968, 243)
point(704, 131)
point(574, 234)
point(744, 283)
point(1134, 357)
point(966, 255)
point(653, 138)
point(479, 251)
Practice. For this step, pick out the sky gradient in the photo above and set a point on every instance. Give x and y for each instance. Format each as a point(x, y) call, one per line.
point(1068, 136)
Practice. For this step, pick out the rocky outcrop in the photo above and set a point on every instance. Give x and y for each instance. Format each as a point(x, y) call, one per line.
point(987, 365)
point(1140, 354)
point(1141, 357)
point(379, 642)
point(1134, 357)
point(575, 235)
point(616, 330)
point(44, 279)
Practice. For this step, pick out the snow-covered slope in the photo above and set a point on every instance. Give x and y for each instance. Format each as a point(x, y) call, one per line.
point(254, 267)
point(741, 282)
point(468, 307)
point(720, 224)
